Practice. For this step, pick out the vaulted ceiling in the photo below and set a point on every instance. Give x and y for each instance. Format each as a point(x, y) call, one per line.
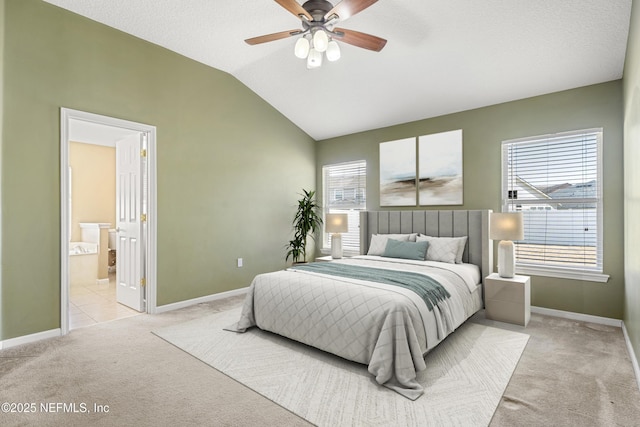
point(441, 56)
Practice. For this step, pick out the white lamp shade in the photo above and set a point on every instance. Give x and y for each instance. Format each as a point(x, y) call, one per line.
point(333, 51)
point(320, 41)
point(336, 223)
point(506, 226)
point(301, 49)
point(314, 60)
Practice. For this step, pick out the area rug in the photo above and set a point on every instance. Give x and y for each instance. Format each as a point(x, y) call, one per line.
point(464, 381)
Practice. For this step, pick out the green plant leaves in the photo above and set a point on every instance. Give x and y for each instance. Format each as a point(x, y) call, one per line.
point(306, 221)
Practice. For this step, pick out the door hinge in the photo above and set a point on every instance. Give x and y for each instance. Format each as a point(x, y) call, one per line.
point(143, 152)
point(143, 282)
point(143, 217)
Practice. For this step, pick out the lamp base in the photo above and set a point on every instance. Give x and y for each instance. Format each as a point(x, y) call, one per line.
point(336, 246)
point(506, 259)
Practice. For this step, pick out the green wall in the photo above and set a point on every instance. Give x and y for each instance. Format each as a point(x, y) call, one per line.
point(483, 131)
point(632, 181)
point(230, 166)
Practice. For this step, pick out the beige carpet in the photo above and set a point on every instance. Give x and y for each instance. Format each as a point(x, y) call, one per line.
point(571, 374)
point(464, 382)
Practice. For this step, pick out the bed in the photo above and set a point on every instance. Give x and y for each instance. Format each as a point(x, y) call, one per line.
point(384, 310)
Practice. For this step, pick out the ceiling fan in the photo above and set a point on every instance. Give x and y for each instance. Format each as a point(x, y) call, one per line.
point(319, 33)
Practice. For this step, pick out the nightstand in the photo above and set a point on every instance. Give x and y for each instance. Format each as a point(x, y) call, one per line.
point(508, 299)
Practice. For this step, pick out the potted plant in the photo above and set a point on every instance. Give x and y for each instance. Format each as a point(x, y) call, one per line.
point(306, 222)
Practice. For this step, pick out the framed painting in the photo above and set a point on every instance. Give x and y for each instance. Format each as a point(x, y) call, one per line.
point(440, 168)
point(398, 173)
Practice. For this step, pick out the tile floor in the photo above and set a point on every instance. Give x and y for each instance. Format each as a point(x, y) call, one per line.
point(92, 303)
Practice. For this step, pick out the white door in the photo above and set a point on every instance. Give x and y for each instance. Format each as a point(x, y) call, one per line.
point(130, 221)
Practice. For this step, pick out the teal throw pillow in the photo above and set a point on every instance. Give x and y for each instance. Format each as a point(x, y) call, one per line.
point(406, 250)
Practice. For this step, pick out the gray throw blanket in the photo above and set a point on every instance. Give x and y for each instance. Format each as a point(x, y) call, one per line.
point(430, 290)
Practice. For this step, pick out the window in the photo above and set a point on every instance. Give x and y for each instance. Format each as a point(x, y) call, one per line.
point(344, 188)
point(556, 182)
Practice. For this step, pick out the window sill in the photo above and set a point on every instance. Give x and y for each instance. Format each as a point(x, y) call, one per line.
point(562, 273)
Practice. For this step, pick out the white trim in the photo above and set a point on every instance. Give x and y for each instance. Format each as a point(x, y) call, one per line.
point(577, 316)
point(562, 273)
point(102, 282)
point(539, 138)
point(543, 269)
point(53, 333)
point(632, 354)
point(66, 115)
point(152, 218)
point(194, 301)
point(26, 339)
point(65, 219)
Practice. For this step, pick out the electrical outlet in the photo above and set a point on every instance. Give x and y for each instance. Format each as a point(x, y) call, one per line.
point(239, 262)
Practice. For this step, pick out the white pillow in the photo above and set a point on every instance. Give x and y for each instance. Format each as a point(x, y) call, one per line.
point(379, 241)
point(402, 237)
point(444, 249)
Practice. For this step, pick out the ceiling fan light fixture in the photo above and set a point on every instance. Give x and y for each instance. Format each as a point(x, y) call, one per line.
point(333, 51)
point(314, 60)
point(320, 40)
point(318, 19)
point(302, 47)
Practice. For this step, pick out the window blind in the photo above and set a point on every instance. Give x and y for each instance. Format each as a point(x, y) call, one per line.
point(345, 191)
point(555, 181)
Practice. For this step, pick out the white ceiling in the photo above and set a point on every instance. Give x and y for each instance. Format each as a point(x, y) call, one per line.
point(442, 56)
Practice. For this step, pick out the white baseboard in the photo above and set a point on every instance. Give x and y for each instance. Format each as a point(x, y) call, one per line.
point(103, 282)
point(26, 339)
point(577, 316)
point(194, 301)
point(632, 355)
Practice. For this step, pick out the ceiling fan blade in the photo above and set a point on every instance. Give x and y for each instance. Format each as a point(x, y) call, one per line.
point(356, 38)
point(294, 7)
point(272, 37)
point(347, 8)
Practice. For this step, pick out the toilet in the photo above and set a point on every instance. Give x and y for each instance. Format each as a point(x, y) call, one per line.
point(113, 235)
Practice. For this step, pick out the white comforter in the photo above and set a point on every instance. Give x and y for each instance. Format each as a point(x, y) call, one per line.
point(383, 326)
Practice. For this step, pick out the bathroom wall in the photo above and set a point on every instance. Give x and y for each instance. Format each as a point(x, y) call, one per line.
point(93, 183)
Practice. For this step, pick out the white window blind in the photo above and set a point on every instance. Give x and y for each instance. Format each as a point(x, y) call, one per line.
point(556, 182)
point(344, 190)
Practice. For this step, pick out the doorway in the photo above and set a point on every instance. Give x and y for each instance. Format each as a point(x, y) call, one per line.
point(119, 251)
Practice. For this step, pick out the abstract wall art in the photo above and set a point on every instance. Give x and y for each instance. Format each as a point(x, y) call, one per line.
point(440, 169)
point(398, 173)
point(425, 171)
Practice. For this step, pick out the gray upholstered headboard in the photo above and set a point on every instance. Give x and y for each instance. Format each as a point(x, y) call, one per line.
point(451, 223)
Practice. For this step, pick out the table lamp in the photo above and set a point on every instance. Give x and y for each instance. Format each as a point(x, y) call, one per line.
point(336, 224)
point(506, 227)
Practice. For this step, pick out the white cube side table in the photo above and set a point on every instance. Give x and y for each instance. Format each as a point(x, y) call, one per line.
point(508, 299)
